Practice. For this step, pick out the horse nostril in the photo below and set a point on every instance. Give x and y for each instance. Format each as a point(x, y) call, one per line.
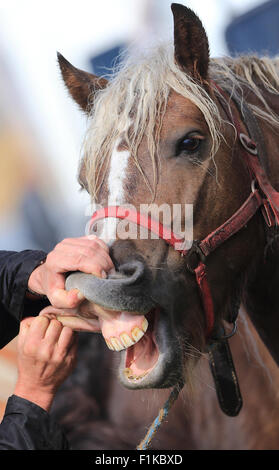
point(131, 272)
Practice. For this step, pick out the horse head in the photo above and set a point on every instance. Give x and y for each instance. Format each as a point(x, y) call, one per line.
point(159, 139)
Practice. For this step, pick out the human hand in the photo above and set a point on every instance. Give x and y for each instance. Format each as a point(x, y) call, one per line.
point(46, 356)
point(87, 254)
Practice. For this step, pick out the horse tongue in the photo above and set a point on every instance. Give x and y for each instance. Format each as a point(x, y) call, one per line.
point(123, 330)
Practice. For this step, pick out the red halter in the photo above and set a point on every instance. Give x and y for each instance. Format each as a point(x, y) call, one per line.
point(265, 197)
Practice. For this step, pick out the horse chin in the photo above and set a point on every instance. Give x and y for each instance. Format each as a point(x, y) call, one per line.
point(156, 360)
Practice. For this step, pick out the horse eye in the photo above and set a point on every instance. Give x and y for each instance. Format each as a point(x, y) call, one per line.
point(189, 145)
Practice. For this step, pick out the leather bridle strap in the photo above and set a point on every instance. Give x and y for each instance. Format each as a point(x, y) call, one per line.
point(140, 219)
point(216, 238)
point(235, 223)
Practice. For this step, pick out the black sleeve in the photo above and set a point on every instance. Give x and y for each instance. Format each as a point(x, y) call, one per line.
point(15, 270)
point(27, 426)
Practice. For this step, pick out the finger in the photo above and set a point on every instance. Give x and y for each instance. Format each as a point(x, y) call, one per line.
point(71, 319)
point(99, 264)
point(91, 242)
point(23, 330)
point(98, 240)
point(80, 324)
point(38, 328)
point(73, 348)
point(83, 259)
point(58, 296)
point(25, 324)
point(53, 332)
point(32, 336)
point(65, 340)
point(66, 352)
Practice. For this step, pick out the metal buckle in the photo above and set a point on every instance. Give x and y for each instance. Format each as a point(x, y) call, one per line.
point(226, 336)
point(266, 209)
point(268, 213)
point(248, 144)
point(253, 185)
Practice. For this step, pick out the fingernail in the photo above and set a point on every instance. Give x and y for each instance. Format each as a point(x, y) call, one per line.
point(91, 237)
point(104, 274)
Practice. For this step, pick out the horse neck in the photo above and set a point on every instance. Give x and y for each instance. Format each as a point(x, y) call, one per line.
point(261, 295)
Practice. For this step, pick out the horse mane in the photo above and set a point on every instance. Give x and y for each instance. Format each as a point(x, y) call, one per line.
point(138, 93)
point(249, 72)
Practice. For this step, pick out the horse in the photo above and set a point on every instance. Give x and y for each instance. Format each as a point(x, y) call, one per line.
point(174, 127)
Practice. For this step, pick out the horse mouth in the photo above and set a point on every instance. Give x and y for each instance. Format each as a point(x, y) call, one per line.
point(147, 340)
point(143, 332)
point(148, 346)
point(154, 361)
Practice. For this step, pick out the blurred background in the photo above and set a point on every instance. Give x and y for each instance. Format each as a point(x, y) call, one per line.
point(41, 128)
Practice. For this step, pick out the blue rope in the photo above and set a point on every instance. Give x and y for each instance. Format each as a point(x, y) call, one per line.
point(163, 413)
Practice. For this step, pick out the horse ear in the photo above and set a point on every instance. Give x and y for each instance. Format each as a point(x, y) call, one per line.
point(191, 48)
point(80, 84)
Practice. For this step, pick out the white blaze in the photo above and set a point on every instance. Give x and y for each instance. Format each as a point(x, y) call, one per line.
point(116, 193)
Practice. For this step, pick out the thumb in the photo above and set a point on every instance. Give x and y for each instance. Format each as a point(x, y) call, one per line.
point(60, 298)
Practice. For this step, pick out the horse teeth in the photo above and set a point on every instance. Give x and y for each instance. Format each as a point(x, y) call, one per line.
point(127, 371)
point(117, 345)
point(137, 334)
point(126, 340)
point(129, 374)
point(109, 345)
point(144, 325)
